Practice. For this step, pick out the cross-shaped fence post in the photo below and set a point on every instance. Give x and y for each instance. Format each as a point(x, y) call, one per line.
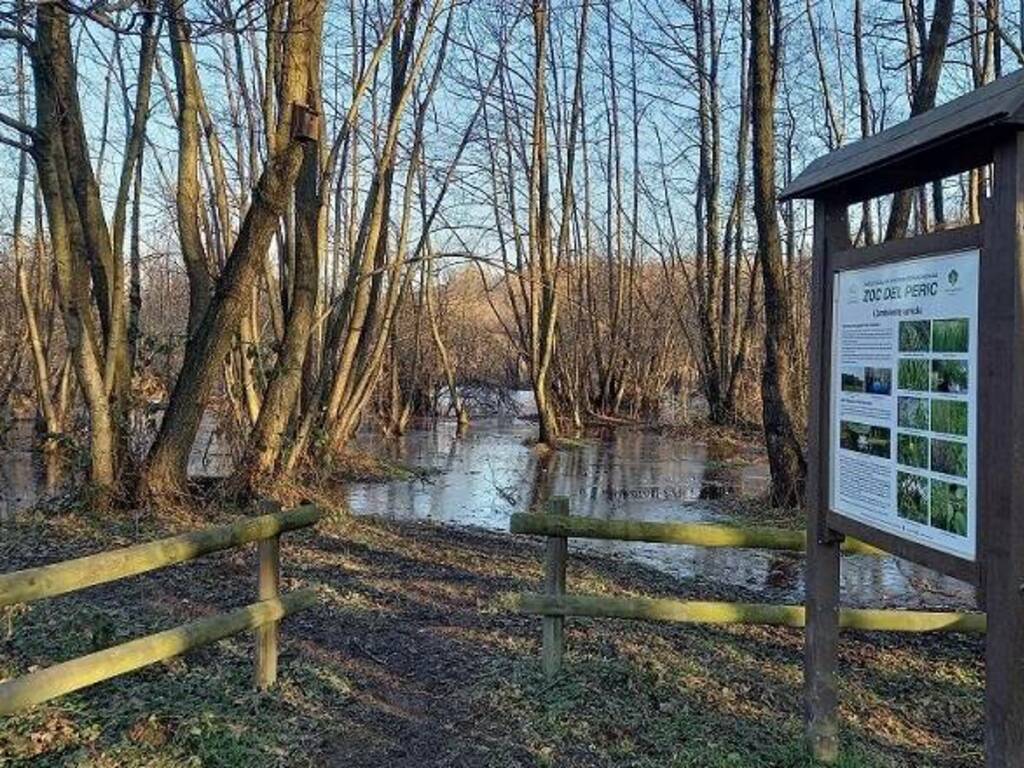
point(269, 586)
point(554, 585)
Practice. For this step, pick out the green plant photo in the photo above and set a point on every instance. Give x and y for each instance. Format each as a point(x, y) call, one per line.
point(949, 507)
point(912, 451)
point(949, 458)
point(912, 497)
point(913, 375)
point(949, 417)
point(915, 335)
point(950, 335)
point(912, 413)
point(949, 376)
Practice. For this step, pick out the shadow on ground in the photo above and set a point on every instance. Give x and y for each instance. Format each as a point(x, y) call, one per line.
point(412, 659)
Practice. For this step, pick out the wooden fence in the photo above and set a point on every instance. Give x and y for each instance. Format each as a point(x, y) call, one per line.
point(555, 605)
point(73, 575)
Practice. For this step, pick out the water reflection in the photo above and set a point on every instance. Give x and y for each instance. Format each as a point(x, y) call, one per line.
point(26, 476)
point(629, 474)
point(491, 472)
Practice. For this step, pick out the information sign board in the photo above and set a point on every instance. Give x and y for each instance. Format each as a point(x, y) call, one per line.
point(904, 387)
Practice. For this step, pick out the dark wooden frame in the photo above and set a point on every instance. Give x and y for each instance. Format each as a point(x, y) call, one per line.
point(998, 568)
point(845, 259)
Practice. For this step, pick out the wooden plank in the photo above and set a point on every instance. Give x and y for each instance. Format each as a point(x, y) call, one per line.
point(72, 575)
point(928, 146)
point(689, 534)
point(267, 634)
point(966, 148)
point(555, 558)
point(962, 152)
point(82, 672)
point(704, 612)
point(944, 241)
point(821, 638)
point(1000, 486)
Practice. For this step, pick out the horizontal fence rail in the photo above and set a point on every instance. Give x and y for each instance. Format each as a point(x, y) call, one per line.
point(692, 534)
point(60, 679)
point(103, 567)
point(695, 612)
point(554, 605)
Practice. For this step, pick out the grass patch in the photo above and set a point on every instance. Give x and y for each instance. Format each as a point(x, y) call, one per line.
point(360, 467)
point(411, 659)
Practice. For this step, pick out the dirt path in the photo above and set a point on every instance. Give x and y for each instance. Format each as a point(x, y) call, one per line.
point(412, 658)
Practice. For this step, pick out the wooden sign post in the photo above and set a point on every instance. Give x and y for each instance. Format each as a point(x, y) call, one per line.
point(916, 437)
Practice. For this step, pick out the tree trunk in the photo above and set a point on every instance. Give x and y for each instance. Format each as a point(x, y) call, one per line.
point(543, 287)
point(785, 454)
point(86, 264)
point(268, 436)
point(166, 467)
point(924, 99)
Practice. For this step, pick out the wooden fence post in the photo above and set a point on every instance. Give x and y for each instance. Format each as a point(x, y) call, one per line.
point(554, 586)
point(269, 587)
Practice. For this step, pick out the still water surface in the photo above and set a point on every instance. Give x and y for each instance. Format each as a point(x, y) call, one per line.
point(483, 477)
point(490, 473)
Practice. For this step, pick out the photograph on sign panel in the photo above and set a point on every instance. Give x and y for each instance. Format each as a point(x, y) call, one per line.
point(915, 336)
point(912, 413)
point(949, 507)
point(950, 335)
point(949, 458)
point(878, 381)
point(912, 497)
point(853, 379)
point(912, 450)
point(949, 417)
point(866, 439)
point(913, 374)
point(949, 376)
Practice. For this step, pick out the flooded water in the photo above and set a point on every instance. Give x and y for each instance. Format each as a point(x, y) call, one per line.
point(24, 480)
point(491, 472)
point(483, 477)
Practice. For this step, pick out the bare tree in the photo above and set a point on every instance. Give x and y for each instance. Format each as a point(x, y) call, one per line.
point(781, 428)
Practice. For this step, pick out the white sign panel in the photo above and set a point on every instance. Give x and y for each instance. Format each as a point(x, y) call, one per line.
point(904, 408)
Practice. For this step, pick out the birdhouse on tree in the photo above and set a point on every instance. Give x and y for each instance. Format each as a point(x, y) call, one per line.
point(305, 122)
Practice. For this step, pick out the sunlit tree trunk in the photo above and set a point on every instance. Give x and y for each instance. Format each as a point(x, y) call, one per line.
point(785, 454)
point(88, 259)
point(167, 464)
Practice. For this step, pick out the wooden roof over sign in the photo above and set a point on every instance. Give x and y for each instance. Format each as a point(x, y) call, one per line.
point(951, 138)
